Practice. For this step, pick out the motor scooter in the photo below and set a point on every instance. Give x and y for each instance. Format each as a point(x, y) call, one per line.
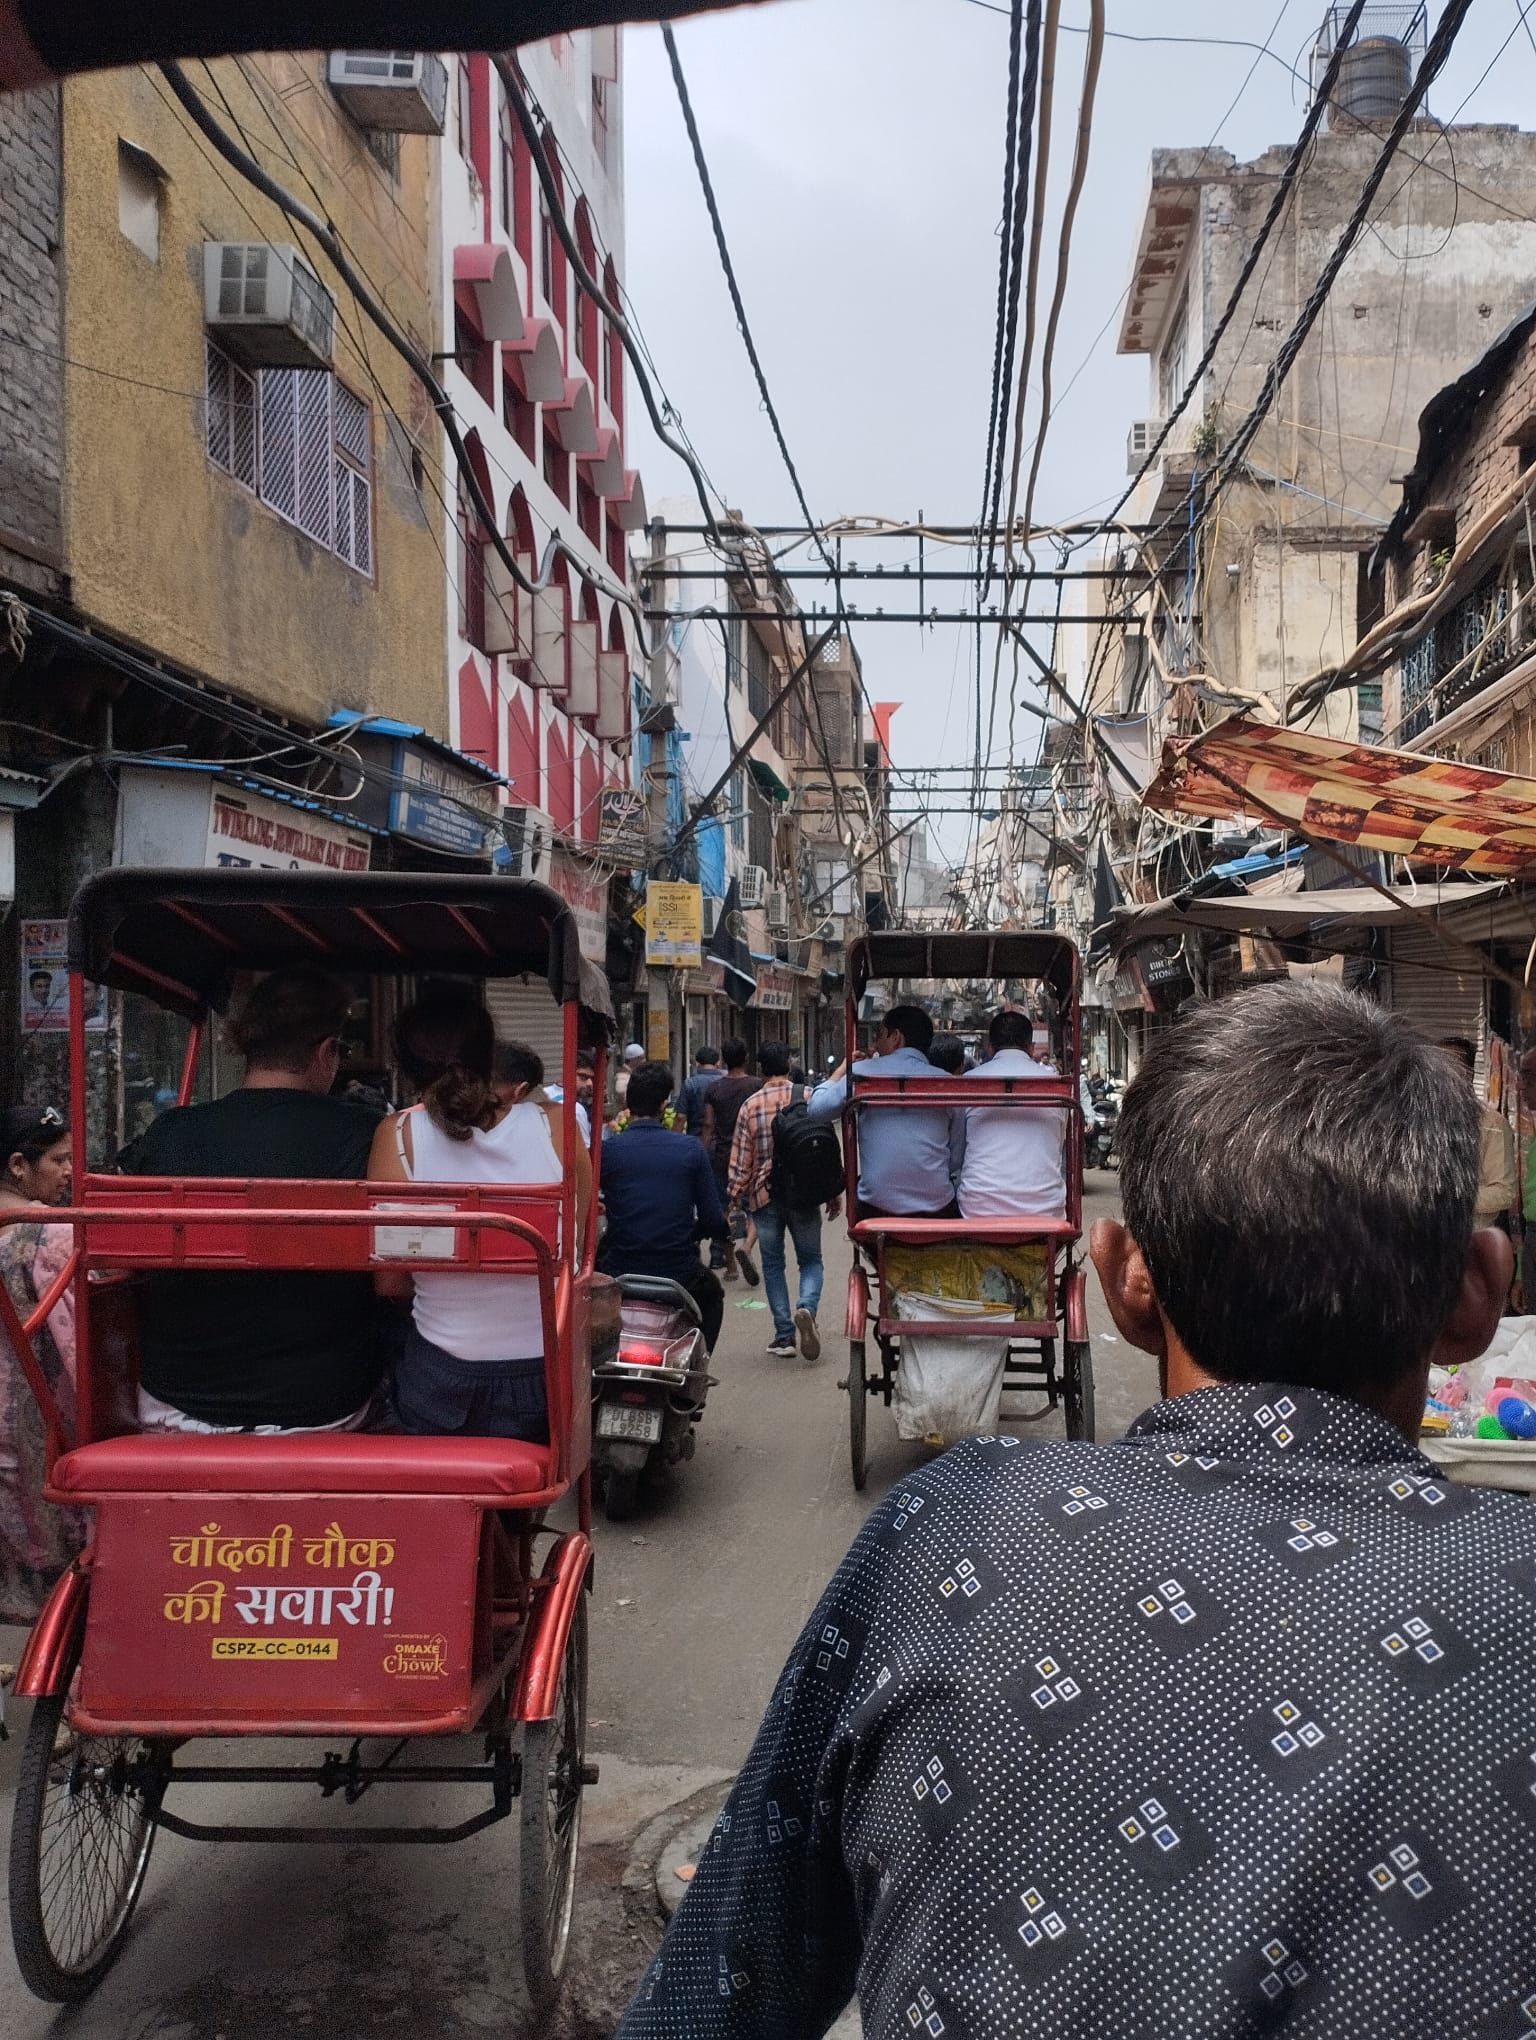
point(1099, 1137)
point(647, 1398)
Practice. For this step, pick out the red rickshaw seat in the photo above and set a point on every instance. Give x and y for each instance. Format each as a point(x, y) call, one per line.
point(313, 1462)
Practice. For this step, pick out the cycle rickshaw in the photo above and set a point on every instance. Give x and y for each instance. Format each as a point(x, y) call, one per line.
point(373, 1590)
point(1046, 1323)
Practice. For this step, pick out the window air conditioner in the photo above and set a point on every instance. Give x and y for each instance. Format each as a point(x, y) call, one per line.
point(396, 92)
point(1140, 441)
point(267, 305)
point(778, 909)
point(711, 917)
point(754, 885)
point(530, 836)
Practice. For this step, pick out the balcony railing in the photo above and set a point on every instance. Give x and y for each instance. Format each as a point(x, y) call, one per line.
point(1471, 646)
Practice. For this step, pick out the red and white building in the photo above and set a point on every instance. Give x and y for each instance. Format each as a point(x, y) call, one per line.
point(540, 688)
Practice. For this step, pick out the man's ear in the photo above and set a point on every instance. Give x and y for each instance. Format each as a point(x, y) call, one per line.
point(1474, 1316)
point(1128, 1287)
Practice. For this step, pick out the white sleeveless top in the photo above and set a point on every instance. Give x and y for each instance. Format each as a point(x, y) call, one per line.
point(482, 1317)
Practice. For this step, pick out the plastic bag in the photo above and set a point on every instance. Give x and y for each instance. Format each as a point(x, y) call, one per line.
point(947, 1388)
point(1010, 1279)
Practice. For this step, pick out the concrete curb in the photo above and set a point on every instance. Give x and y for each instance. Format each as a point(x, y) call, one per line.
point(643, 1902)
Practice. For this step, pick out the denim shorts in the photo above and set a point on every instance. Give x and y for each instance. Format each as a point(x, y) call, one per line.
point(437, 1395)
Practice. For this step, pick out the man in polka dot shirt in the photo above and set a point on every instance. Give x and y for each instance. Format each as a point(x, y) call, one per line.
point(1225, 1728)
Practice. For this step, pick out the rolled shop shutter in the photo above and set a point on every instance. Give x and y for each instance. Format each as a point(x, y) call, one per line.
point(1439, 989)
point(523, 1009)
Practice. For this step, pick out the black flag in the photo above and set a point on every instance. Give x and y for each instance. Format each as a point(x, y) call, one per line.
point(728, 947)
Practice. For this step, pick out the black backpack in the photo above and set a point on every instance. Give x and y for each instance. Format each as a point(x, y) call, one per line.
point(807, 1156)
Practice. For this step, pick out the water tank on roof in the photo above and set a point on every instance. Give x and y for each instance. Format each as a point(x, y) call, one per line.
point(1373, 81)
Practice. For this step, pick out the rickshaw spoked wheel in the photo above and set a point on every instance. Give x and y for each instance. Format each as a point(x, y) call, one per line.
point(80, 1841)
point(554, 1754)
point(1078, 1388)
point(858, 1411)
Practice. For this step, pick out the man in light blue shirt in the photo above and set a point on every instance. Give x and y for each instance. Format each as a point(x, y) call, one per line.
point(908, 1155)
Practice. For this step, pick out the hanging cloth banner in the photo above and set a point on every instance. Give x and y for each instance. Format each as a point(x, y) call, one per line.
point(1429, 810)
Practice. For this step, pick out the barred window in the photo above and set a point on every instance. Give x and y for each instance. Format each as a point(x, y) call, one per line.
point(231, 410)
point(303, 442)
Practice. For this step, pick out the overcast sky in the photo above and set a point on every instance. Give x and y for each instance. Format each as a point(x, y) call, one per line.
point(856, 148)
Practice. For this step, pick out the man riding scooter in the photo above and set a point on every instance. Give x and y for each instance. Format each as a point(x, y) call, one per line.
point(661, 1199)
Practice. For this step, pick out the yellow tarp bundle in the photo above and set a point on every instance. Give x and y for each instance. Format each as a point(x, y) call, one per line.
point(1007, 1281)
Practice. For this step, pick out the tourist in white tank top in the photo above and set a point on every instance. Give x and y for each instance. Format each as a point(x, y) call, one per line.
point(473, 1361)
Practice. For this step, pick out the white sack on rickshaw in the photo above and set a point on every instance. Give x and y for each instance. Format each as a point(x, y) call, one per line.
point(948, 1388)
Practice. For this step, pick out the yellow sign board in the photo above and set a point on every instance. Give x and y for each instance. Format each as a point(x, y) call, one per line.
point(674, 924)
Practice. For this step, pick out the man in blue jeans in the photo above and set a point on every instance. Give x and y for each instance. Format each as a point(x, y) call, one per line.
point(750, 1190)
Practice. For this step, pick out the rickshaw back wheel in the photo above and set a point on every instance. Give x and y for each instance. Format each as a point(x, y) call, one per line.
point(81, 1835)
point(554, 1754)
point(858, 1411)
point(621, 1495)
point(1078, 1387)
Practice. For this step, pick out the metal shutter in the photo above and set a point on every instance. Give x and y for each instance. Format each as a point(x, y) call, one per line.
point(525, 1010)
point(1437, 988)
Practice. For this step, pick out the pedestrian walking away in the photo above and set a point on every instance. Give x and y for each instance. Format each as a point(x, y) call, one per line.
point(692, 1098)
point(780, 1210)
point(1220, 1729)
point(722, 1103)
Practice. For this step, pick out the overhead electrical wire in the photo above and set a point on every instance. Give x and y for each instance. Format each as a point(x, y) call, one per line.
point(1005, 272)
point(1091, 67)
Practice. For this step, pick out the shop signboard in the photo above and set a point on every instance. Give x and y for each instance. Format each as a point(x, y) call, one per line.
point(674, 925)
point(248, 832)
point(622, 826)
point(775, 992)
point(437, 803)
point(45, 982)
point(587, 898)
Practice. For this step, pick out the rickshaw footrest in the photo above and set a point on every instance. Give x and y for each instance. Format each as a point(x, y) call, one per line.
point(335, 1836)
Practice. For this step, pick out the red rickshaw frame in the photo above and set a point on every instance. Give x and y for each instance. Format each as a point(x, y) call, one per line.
point(180, 937)
point(1038, 956)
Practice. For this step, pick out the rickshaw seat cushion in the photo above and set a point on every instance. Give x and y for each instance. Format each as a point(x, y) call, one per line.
point(1014, 1231)
point(309, 1462)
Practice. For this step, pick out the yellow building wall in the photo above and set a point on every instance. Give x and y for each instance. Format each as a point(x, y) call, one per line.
point(163, 548)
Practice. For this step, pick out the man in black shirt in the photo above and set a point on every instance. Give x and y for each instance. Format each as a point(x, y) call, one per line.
point(1222, 1729)
point(288, 1349)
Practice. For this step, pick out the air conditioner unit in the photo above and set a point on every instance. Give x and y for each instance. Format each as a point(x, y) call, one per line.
point(396, 92)
point(267, 305)
point(778, 909)
point(711, 917)
point(1140, 441)
point(530, 836)
point(754, 885)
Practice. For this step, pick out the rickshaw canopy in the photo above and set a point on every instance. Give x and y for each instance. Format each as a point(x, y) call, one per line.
point(177, 936)
point(1035, 953)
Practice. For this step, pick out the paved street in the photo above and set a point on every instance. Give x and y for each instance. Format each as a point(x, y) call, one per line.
point(697, 1601)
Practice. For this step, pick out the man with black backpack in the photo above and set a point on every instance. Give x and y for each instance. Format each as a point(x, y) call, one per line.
point(785, 1167)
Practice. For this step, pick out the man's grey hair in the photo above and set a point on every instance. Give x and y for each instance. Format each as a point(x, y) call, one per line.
point(1299, 1169)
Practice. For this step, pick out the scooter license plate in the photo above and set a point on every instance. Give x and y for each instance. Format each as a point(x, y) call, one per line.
point(627, 1420)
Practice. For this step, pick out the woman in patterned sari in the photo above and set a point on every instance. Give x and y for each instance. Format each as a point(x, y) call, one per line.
point(37, 1539)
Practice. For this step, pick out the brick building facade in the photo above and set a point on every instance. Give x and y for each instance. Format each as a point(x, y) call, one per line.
point(31, 330)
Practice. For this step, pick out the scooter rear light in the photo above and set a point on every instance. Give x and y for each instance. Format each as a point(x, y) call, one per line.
point(643, 1352)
